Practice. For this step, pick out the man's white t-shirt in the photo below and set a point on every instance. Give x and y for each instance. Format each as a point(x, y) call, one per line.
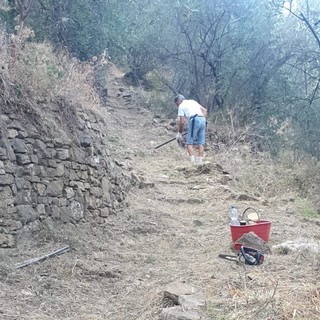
point(189, 108)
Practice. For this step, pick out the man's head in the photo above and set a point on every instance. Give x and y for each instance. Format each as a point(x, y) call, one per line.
point(178, 99)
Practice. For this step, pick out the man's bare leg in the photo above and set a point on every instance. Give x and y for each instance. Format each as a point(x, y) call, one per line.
point(200, 152)
point(190, 152)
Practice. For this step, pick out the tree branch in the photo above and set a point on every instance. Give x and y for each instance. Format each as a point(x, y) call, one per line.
point(314, 92)
point(305, 20)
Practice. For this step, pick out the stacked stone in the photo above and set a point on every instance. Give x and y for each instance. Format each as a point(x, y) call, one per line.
point(47, 176)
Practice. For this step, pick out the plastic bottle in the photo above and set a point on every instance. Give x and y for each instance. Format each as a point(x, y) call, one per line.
point(234, 216)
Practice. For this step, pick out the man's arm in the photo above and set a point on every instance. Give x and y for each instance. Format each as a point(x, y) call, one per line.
point(204, 111)
point(182, 121)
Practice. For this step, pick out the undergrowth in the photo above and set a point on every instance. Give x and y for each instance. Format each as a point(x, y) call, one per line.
point(33, 72)
point(288, 174)
point(306, 208)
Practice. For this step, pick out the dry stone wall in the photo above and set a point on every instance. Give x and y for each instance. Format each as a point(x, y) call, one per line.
point(55, 166)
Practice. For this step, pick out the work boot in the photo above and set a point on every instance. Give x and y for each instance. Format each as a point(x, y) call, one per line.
point(199, 160)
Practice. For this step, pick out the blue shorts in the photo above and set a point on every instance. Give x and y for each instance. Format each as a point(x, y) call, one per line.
point(198, 126)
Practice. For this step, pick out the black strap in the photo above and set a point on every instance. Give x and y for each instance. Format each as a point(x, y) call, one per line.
point(192, 125)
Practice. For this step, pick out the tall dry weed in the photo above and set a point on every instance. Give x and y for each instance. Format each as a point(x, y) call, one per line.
point(76, 82)
point(262, 174)
point(306, 175)
point(33, 71)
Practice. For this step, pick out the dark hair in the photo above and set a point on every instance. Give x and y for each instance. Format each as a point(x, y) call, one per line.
point(179, 97)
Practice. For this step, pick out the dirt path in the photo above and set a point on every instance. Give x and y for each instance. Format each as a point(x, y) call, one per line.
point(179, 221)
point(175, 227)
point(182, 224)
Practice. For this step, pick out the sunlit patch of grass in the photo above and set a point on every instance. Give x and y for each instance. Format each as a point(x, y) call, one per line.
point(284, 250)
point(306, 209)
point(150, 259)
point(214, 310)
point(140, 154)
point(113, 140)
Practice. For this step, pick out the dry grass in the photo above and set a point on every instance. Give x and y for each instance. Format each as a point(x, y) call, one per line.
point(76, 82)
point(290, 174)
point(33, 71)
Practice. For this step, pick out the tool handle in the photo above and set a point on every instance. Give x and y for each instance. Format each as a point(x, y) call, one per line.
point(161, 145)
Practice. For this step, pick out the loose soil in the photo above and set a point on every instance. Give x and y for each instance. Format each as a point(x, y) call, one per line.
point(176, 225)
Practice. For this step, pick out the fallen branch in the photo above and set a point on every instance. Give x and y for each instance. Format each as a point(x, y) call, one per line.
point(40, 259)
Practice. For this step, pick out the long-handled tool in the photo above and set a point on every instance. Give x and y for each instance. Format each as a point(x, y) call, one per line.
point(161, 145)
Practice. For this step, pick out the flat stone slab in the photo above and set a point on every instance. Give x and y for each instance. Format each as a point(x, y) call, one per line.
point(192, 302)
point(176, 289)
point(298, 245)
point(177, 313)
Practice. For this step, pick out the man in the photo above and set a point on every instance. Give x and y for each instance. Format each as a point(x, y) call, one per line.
point(195, 114)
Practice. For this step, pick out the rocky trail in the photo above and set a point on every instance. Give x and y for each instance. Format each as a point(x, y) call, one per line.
point(171, 233)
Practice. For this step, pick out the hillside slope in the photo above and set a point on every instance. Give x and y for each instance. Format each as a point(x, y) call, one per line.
point(174, 228)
